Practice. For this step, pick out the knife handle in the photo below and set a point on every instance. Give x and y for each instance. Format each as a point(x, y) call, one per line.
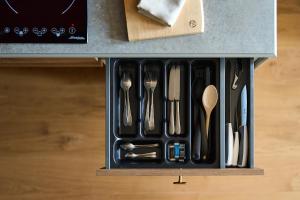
point(236, 144)
point(204, 139)
point(197, 141)
point(243, 153)
point(177, 118)
point(229, 144)
point(171, 122)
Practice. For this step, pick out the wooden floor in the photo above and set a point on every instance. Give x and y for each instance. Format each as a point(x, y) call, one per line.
point(52, 134)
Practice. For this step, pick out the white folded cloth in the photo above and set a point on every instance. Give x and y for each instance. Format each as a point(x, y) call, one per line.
point(163, 11)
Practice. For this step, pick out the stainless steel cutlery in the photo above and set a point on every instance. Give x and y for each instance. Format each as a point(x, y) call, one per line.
point(171, 98)
point(140, 151)
point(130, 146)
point(126, 85)
point(147, 85)
point(150, 84)
point(174, 97)
point(177, 100)
point(132, 155)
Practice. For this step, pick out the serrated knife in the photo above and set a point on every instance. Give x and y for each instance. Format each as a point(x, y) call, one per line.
point(171, 98)
point(177, 100)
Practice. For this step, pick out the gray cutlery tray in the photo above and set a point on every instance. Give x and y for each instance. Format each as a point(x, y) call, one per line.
point(117, 134)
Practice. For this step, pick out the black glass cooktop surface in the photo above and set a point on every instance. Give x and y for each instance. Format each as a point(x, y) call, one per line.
point(43, 21)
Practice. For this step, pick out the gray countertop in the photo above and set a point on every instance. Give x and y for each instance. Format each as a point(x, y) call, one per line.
point(233, 28)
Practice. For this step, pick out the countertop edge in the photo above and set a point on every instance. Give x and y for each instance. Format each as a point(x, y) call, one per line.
point(150, 55)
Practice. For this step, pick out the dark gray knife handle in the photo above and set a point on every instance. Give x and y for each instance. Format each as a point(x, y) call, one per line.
point(197, 142)
point(204, 139)
point(243, 150)
point(204, 147)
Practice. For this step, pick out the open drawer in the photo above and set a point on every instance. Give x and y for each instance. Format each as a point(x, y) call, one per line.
point(148, 142)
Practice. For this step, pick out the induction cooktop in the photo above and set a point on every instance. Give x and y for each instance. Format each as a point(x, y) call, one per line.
point(43, 21)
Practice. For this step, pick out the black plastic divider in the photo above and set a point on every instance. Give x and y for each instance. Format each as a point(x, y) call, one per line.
point(244, 67)
point(163, 138)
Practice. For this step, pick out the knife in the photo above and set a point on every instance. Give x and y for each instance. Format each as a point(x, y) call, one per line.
point(228, 130)
point(177, 100)
point(199, 121)
point(236, 143)
point(243, 149)
point(171, 98)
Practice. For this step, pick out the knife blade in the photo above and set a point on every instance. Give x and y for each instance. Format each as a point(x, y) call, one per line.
point(177, 100)
point(243, 130)
point(171, 98)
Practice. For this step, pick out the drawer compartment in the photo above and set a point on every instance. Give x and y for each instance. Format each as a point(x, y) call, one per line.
point(239, 84)
point(137, 146)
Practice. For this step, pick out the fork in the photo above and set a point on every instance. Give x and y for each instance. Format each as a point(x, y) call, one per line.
point(152, 88)
point(147, 84)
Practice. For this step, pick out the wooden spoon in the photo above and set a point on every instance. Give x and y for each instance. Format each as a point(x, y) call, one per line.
point(209, 101)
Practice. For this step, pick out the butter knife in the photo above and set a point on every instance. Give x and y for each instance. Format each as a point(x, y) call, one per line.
point(177, 100)
point(171, 98)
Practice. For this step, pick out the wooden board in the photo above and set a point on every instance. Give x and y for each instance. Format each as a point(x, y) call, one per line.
point(139, 27)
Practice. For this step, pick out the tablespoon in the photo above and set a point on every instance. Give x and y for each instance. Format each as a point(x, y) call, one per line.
point(142, 155)
point(126, 85)
point(130, 146)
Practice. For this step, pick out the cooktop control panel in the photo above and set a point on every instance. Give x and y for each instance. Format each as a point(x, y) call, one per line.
point(48, 21)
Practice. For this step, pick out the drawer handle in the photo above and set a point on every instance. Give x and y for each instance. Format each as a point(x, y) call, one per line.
point(180, 181)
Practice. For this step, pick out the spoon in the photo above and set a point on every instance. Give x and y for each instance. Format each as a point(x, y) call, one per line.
point(130, 146)
point(209, 101)
point(126, 85)
point(143, 155)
